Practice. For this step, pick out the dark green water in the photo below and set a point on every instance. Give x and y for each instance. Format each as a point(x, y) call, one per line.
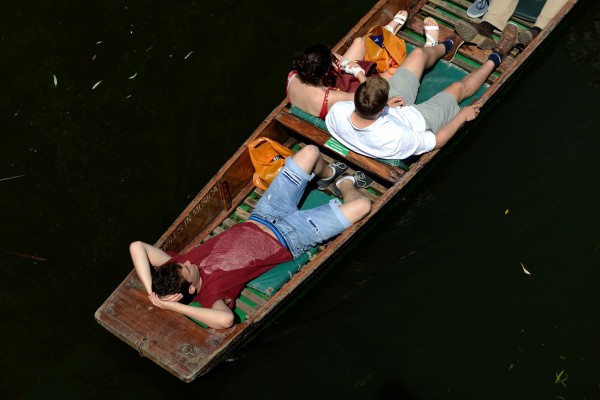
point(430, 303)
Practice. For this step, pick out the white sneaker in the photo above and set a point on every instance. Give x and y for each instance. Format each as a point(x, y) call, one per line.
point(478, 8)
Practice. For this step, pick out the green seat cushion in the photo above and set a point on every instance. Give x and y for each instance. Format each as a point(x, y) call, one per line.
point(529, 9)
point(300, 113)
point(440, 77)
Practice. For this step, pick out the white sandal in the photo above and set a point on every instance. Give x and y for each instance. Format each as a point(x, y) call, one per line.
point(431, 41)
point(400, 18)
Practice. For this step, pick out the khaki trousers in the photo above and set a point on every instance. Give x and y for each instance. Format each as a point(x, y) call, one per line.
point(500, 11)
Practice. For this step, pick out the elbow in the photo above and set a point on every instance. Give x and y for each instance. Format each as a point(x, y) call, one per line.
point(227, 321)
point(223, 322)
point(440, 141)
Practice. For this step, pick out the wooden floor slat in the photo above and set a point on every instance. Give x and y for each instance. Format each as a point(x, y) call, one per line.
point(245, 307)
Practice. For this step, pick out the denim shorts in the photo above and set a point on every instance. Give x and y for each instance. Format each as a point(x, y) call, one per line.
point(301, 229)
point(437, 111)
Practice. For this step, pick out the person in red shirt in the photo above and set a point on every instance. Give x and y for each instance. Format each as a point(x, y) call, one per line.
point(216, 271)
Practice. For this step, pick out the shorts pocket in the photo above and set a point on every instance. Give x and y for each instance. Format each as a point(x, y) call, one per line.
point(315, 230)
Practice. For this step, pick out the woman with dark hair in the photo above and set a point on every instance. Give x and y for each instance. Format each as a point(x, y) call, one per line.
point(311, 84)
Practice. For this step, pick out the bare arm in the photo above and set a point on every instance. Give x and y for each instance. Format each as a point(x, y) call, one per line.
point(144, 257)
point(218, 317)
point(446, 132)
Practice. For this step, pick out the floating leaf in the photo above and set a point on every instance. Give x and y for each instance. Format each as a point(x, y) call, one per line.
point(35, 258)
point(561, 377)
point(133, 76)
point(525, 269)
point(55, 80)
point(506, 212)
point(12, 177)
point(188, 54)
point(96, 84)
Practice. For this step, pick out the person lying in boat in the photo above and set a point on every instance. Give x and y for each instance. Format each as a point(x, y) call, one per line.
point(383, 121)
point(216, 271)
point(496, 18)
point(311, 85)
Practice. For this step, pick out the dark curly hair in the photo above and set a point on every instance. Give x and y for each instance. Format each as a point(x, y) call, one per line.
point(167, 280)
point(313, 64)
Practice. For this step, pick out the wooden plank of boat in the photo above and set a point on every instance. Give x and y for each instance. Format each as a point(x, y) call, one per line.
point(188, 350)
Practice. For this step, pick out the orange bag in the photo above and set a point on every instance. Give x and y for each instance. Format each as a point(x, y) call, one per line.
point(268, 157)
point(390, 54)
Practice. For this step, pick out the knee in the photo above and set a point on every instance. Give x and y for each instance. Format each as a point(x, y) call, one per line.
point(418, 52)
point(308, 155)
point(310, 151)
point(363, 207)
point(457, 89)
point(359, 41)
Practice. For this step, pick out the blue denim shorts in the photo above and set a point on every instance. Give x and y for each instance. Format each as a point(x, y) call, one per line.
point(301, 229)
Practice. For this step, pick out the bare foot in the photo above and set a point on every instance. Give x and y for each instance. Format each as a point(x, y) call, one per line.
point(432, 32)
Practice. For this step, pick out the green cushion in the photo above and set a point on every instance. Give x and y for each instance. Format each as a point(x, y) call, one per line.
point(394, 163)
point(300, 113)
point(441, 76)
point(271, 281)
point(529, 9)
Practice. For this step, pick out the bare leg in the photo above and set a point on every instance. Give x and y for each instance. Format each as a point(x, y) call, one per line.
point(356, 51)
point(356, 206)
point(421, 59)
point(310, 161)
point(471, 83)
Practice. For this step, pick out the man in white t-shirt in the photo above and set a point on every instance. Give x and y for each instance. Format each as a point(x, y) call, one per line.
point(383, 121)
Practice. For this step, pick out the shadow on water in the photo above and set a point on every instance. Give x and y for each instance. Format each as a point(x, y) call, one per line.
point(432, 303)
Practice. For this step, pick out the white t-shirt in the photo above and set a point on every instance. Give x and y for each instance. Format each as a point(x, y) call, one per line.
point(398, 133)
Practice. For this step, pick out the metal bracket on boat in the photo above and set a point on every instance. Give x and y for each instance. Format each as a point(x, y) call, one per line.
point(187, 349)
point(139, 348)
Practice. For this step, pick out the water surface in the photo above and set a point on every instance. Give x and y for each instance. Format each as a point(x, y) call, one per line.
point(432, 301)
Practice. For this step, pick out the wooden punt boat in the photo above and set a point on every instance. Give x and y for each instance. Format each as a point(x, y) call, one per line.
point(190, 350)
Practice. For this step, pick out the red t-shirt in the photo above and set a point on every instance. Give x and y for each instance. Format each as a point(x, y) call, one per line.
point(228, 261)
